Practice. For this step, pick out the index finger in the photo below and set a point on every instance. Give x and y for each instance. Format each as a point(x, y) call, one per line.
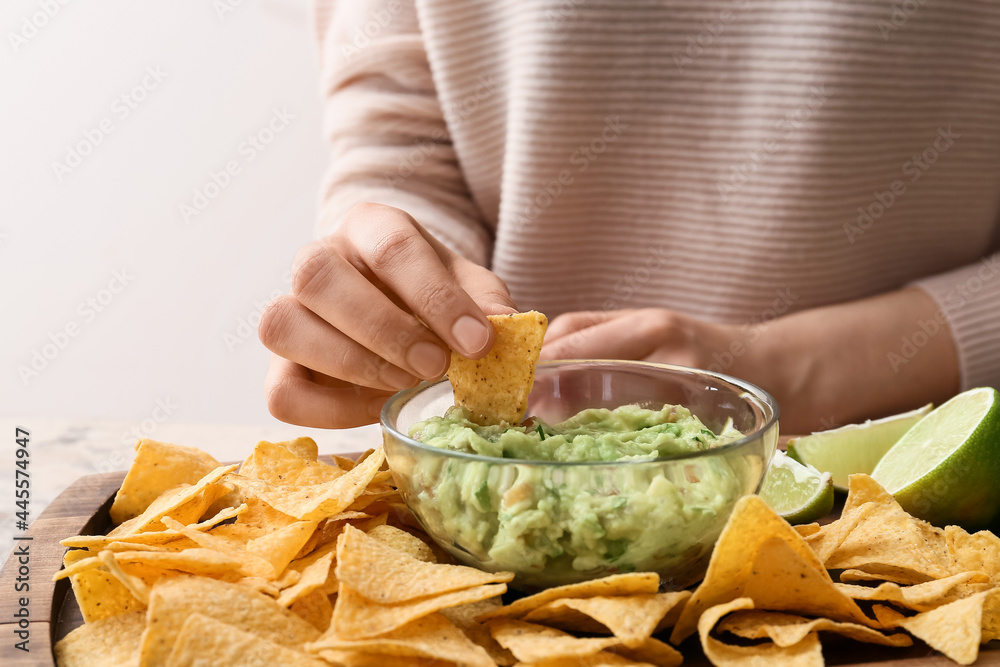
point(390, 246)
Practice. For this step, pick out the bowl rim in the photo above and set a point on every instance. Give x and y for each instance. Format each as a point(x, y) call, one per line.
point(760, 395)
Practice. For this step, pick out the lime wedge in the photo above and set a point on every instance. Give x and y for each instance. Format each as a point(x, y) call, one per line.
point(946, 469)
point(797, 492)
point(853, 448)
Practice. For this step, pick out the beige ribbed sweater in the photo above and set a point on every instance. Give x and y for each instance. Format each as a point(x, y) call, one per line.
point(716, 157)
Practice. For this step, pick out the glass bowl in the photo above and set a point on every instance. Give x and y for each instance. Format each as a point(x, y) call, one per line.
point(554, 523)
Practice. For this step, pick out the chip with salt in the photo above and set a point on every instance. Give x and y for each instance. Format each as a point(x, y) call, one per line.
point(173, 600)
point(432, 636)
point(631, 618)
point(157, 467)
point(788, 629)
point(530, 642)
point(98, 593)
point(919, 597)
point(495, 388)
point(107, 641)
point(205, 640)
point(750, 525)
point(271, 462)
point(631, 583)
point(386, 575)
point(806, 653)
point(956, 629)
point(399, 539)
point(357, 616)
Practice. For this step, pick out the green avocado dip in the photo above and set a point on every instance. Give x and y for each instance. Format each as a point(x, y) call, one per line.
point(570, 522)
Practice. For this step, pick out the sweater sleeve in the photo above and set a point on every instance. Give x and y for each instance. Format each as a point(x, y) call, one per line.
point(389, 138)
point(969, 299)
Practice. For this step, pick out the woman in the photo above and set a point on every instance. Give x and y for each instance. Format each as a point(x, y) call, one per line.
point(804, 195)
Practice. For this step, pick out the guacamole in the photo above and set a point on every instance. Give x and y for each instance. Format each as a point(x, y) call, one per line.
point(573, 522)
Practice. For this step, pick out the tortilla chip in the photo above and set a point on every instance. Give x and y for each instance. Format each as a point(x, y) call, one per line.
point(315, 501)
point(314, 571)
point(157, 467)
point(887, 539)
point(806, 653)
point(185, 504)
point(432, 636)
point(632, 583)
point(896, 577)
point(193, 561)
point(788, 630)
point(173, 600)
point(919, 597)
point(601, 659)
point(203, 639)
point(314, 608)
point(630, 618)
point(495, 388)
point(464, 616)
point(303, 447)
point(272, 463)
point(533, 643)
point(651, 651)
point(98, 593)
point(955, 629)
point(403, 541)
point(356, 616)
point(100, 643)
point(732, 563)
point(977, 552)
point(251, 565)
point(279, 547)
point(135, 585)
point(385, 575)
point(807, 529)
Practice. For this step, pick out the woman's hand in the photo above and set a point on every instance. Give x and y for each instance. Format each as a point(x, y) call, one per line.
point(825, 366)
point(375, 307)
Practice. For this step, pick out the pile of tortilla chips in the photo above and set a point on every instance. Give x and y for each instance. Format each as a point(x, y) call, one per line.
point(295, 561)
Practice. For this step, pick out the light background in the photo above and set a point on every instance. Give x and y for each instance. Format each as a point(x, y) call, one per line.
point(174, 333)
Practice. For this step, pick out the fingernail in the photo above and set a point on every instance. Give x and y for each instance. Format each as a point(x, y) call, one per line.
point(428, 360)
point(470, 334)
point(396, 377)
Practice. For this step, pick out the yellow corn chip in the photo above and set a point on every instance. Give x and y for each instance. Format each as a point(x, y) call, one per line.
point(108, 641)
point(955, 629)
point(385, 575)
point(806, 653)
point(888, 540)
point(98, 593)
point(632, 583)
point(464, 616)
point(173, 600)
point(652, 652)
point(787, 630)
point(304, 447)
point(356, 616)
point(314, 571)
point(158, 467)
point(185, 504)
point(315, 501)
point(202, 639)
point(272, 463)
point(533, 643)
point(432, 636)
point(279, 548)
point(251, 565)
point(314, 608)
point(495, 388)
point(403, 541)
point(194, 561)
point(751, 524)
point(977, 552)
point(903, 578)
point(630, 618)
point(920, 597)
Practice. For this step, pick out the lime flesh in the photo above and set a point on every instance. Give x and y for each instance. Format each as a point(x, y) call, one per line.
point(799, 493)
point(946, 469)
point(853, 448)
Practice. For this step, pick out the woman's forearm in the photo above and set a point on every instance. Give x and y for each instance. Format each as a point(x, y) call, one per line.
point(847, 362)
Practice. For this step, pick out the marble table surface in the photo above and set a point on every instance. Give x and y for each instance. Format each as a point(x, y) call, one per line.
point(64, 450)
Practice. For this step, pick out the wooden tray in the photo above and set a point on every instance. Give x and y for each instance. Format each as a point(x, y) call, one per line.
point(82, 509)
